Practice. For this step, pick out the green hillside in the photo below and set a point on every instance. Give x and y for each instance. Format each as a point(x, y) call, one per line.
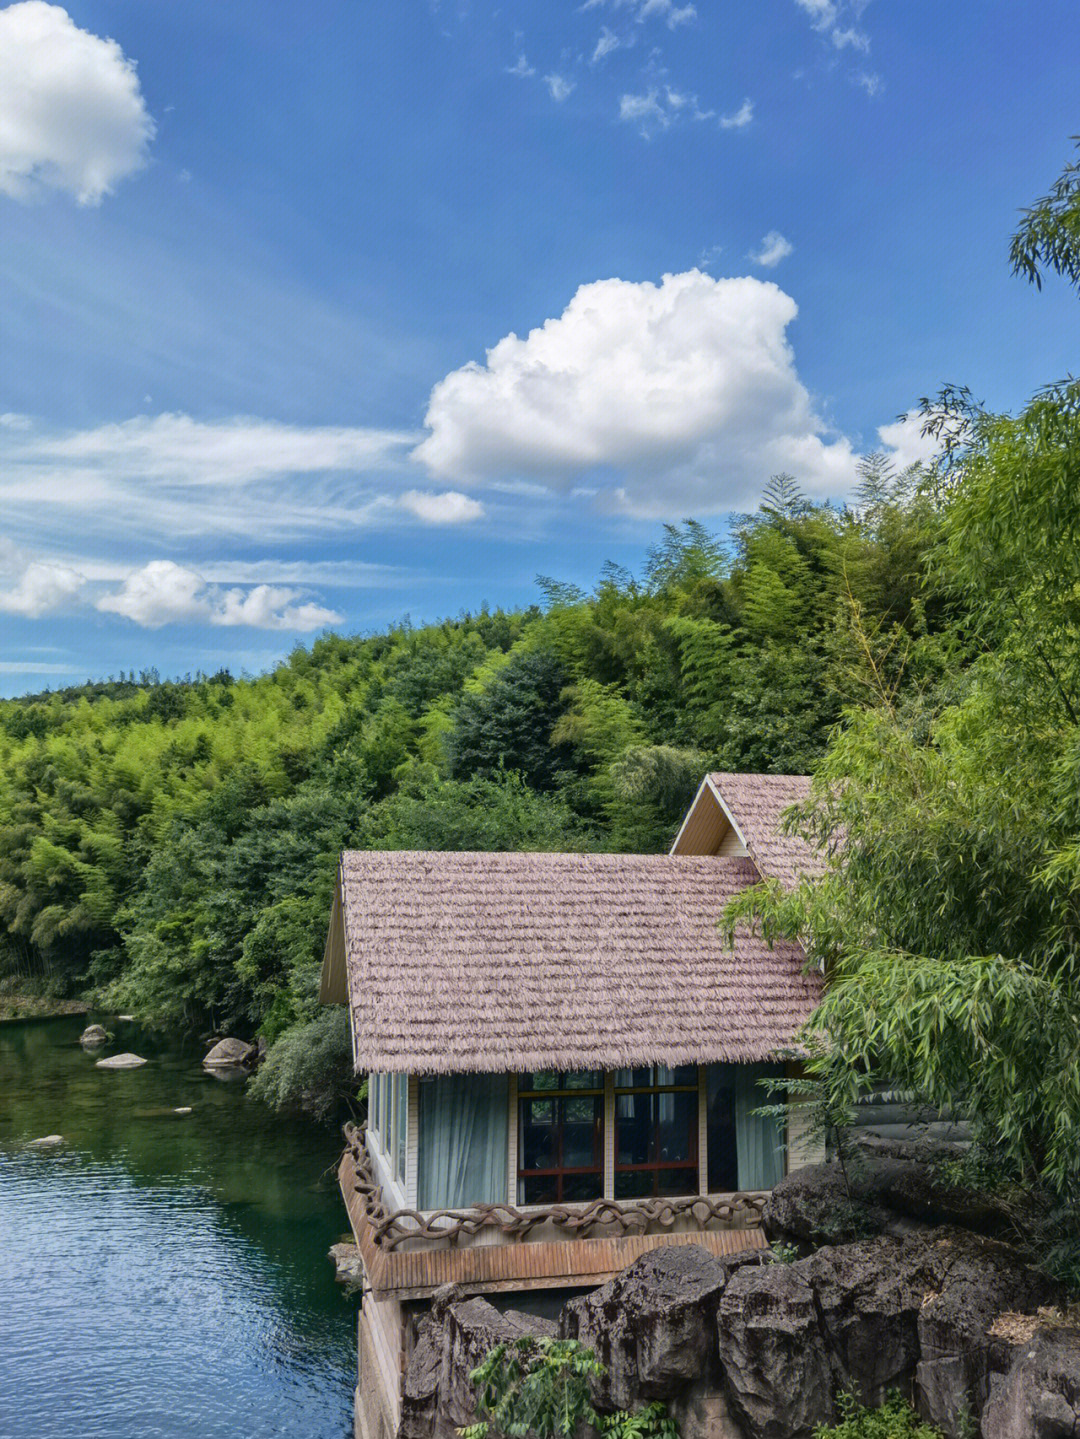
point(171, 847)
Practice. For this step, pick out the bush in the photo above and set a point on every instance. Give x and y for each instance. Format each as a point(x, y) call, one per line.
point(310, 1067)
point(540, 1387)
point(895, 1419)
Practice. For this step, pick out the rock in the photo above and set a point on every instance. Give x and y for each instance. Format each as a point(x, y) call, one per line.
point(868, 1297)
point(229, 1054)
point(651, 1326)
point(885, 1193)
point(980, 1280)
point(183, 1109)
point(94, 1034)
point(1038, 1397)
point(348, 1266)
point(128, 1018)
point(454, 1337)
point(778, 1372)
point(121, 1061)
point(50, 1141)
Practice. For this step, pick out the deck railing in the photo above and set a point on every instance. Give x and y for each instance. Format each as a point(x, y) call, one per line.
point(602, 1218)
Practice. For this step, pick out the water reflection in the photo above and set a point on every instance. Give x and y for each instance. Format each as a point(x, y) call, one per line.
point(162, 1273)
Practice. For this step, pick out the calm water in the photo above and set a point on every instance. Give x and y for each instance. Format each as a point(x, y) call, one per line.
point(162, 1274)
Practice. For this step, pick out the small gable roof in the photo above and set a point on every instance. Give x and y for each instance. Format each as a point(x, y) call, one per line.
point(459, 962)
point(744, 812)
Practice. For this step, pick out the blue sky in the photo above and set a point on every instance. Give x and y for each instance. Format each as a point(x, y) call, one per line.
point(331, 314)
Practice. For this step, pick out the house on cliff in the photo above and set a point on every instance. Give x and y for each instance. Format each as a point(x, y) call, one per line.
point(564, 1062)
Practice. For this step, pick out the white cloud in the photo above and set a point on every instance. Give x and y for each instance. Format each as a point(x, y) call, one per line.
point(175, 447)
point(838, 22)
point(522, 69)
point(772, 250)
point(671, 398)
point(449, 508)
point(871, 83)
point(740, 119)
point(254, 479)
point(72, 116)
point(607, 42)
point(709, 256)
point(42, 588)
point(559, 86)
point(905, 442)
point(163, 592)
point(270, 607)
point(659, 107)
point(667, 10)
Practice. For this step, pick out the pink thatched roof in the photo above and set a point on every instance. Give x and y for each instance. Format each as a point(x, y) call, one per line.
point(504, 962)
point(756, 803)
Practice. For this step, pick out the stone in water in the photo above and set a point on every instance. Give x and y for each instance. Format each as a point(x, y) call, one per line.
point(120, 1061)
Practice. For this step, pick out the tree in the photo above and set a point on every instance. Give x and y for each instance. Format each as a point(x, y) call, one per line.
point(949, 919)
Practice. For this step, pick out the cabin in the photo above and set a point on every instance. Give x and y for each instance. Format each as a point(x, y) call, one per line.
point(564, 1064)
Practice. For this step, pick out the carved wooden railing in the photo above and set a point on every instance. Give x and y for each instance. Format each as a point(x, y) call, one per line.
point(604, 1217)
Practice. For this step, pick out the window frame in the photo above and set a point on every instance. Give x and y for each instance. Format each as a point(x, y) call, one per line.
point(520, 1095)
point(656, 1167)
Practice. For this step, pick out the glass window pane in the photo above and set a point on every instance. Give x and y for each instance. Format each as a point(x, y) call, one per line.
point(580, 1188)
point(633, 1078)
point(723, 1161)
point(685, 1074)
point(634, 1184)
point(676, 1181)
point(676, 1127)
point(538, 1189)
point(581, 1121)
point(402, 1124)
point(539, 1149)
point(584, 1079)
point(633, 1128)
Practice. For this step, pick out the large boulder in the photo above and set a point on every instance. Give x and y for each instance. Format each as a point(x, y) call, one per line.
point(229, 1054)
point(94, 1034)
point(980, 1280)
point(1038, 1395)
point(121, 1061)
point(885, 1188)
point(453, 1338)
point(348, 1265)
point(651, 1326)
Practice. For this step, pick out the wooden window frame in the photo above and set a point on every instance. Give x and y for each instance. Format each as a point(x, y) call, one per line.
point(655, 1168)
point(559, 1172)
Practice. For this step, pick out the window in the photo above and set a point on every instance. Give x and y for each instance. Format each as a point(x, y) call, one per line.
point(401, 1124)
point(656, 1132)
point(560, 1137)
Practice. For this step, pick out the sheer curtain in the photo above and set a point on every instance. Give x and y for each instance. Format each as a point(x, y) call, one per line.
point(463, 1138)
point(759, 1141)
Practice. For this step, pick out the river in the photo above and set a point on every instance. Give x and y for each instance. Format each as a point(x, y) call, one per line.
point(163, 1274)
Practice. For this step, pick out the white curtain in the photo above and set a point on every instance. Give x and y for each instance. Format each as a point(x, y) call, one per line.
point(463, 1138)
point(759, 1140)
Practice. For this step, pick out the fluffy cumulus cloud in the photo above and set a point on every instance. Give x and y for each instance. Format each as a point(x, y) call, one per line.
point(449, 508)
point(838, 21)
point(42, 588)
point(667, 398)
point(72, 115)
point(905, 442)
point(771, 251)
point(163, 592)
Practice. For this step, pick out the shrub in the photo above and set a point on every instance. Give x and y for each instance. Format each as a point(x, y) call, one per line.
point(309, 1067)
point(895, 1419)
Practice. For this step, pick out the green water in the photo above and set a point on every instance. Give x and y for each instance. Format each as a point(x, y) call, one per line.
point(162, 1274)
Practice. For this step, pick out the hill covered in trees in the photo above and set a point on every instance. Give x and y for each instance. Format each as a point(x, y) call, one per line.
point(171, 847)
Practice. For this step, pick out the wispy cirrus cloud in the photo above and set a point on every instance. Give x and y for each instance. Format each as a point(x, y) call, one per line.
point(72, 114)
point(740, 118)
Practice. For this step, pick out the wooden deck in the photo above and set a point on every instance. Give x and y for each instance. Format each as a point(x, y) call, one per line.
point(489, 1268)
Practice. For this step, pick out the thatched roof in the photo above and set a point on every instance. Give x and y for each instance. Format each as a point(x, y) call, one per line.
point(742, 813)
point(504, 962)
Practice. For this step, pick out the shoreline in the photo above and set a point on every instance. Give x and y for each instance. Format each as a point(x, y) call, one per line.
point(16, 1007)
